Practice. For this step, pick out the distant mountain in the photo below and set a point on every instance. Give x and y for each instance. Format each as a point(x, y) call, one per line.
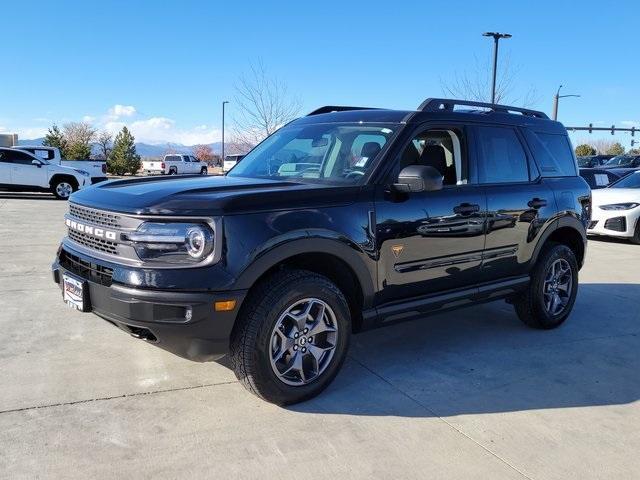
point(145, 149)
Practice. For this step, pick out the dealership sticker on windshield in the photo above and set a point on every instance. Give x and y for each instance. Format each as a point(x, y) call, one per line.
point(72, 292)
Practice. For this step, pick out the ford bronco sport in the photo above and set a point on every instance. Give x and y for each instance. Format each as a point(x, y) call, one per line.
point(346, 219)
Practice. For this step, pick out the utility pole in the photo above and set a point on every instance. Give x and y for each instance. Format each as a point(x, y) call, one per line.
point(556, 101)
point(496, 38)
point(223, 104)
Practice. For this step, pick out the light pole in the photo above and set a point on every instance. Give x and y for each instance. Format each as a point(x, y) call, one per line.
point(223, 104)
point(496, 38)
point(556, 100)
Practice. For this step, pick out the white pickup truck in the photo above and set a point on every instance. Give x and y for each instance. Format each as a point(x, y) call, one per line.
point(97, 169)
point(22, 171)
point(175, 164)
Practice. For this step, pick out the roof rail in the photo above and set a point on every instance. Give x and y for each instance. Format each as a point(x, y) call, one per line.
point(334, 108)
point(448, 104)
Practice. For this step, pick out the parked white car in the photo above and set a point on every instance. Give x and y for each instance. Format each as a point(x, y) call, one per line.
point(231, 161)
point(97, 168)
point(175, 164)
point(616, 209)
point(22, 171)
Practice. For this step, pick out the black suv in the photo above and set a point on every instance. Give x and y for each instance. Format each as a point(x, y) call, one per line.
point(343, 220)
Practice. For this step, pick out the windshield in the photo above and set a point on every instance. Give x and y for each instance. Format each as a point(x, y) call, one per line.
point(630, 181)
point(620, 160)
point(326, 153)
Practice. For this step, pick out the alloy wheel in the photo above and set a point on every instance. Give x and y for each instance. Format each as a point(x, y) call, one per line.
point(303, 341)
point(557, 287)
point(64, 189)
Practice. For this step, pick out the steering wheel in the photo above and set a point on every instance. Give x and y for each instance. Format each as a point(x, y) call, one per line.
point(354, 174)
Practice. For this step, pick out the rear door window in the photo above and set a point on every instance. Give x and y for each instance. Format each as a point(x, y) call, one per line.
point(552, 153)
point(502, 158)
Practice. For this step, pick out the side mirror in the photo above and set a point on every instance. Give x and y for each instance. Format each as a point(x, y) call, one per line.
point(36, 163)
point(418, 178)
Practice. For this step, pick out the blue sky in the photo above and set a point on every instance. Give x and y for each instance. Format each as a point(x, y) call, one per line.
point(163, 67)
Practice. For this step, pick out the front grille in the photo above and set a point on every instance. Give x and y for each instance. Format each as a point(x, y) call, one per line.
point(95, 243)
point(618, 224)
point(96, 217)
point(593, 224)
point(88, 270)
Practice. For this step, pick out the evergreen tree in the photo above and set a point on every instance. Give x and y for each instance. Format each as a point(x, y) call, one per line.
point(615, 149)
point(55, 138)
point(585, 150)
point(123, 158)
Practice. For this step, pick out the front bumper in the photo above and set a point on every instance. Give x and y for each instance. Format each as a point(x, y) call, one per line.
point(613, 223)
point(183, 323)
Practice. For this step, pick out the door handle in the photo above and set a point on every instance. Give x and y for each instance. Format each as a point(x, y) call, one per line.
point(466, 209)
point(537, 203)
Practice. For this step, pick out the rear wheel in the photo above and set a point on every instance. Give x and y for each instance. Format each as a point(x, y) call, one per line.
point(551, 294)
point(63, 189)
point(173, 171)
point(292, 337)
point(203, 171)
point(636, 236)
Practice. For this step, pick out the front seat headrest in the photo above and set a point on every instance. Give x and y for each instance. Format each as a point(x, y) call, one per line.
point(433, 156)
point(370, 149)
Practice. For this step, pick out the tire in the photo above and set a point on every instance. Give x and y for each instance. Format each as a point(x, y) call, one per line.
point(173, 171)
point(257, 342)
point(636, 236)
point(537, 309)
point(63, 189)
point(203, 171)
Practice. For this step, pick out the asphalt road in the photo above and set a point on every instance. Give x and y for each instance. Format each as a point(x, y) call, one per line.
point(469, 394)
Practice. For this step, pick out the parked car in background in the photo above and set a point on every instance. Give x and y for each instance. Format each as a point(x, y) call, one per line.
point(623, 161)
point(599, 177)
point(616, 209)
point(231, 161)
point(97, 169)
point(175, 164)
point(22, 171)
point(593, 161)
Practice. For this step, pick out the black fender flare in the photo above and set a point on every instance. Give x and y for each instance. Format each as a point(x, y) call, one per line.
point(565, 221)
point(338, 246)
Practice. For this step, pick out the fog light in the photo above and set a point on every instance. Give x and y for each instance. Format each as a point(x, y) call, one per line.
point(225, 305)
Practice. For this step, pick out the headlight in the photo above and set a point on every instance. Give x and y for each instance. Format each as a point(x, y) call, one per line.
point(83, 172)
point(173, 243)
point(619, 206)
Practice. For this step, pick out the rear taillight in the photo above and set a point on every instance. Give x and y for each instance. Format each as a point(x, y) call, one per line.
point(162, 165)
point(104, 168)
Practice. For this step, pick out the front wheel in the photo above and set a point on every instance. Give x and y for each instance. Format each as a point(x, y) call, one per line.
point(203, 171)
point(636, 236)
point(63, 189)
point(292, 337)
point(552, 292)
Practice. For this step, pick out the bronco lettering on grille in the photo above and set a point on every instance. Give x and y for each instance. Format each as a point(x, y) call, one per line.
point(89, 230)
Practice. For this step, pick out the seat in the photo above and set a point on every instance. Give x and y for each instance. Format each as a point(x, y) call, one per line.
point(434, 156)
point(370, 150)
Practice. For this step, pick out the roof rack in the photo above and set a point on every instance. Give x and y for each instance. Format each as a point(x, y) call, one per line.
point(334, 108)
point(447, 104)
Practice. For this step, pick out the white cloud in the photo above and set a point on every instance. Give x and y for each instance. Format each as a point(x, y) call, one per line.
point(31, 133)
point(157, 130)
point(118, 111)
point(88, 119)
point(630, 123)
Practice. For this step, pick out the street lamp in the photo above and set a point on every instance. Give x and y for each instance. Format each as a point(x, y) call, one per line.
point(556, 100)
point(223, 104)
point(496, 38)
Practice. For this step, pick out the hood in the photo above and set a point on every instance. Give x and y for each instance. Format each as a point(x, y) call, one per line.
point(209, 195)
point(606, 196)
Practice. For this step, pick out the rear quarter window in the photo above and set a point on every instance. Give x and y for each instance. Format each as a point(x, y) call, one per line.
point(552, 153)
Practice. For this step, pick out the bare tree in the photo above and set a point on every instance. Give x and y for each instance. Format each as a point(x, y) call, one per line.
point(78, 137)
point(204, 153)
point(263, 105)
point(105, 145)
point(476, 84)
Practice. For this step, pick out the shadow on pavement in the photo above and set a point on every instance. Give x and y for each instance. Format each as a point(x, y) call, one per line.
point(483, 360)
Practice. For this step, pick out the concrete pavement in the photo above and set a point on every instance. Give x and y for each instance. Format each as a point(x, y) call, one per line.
point(468, 394)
